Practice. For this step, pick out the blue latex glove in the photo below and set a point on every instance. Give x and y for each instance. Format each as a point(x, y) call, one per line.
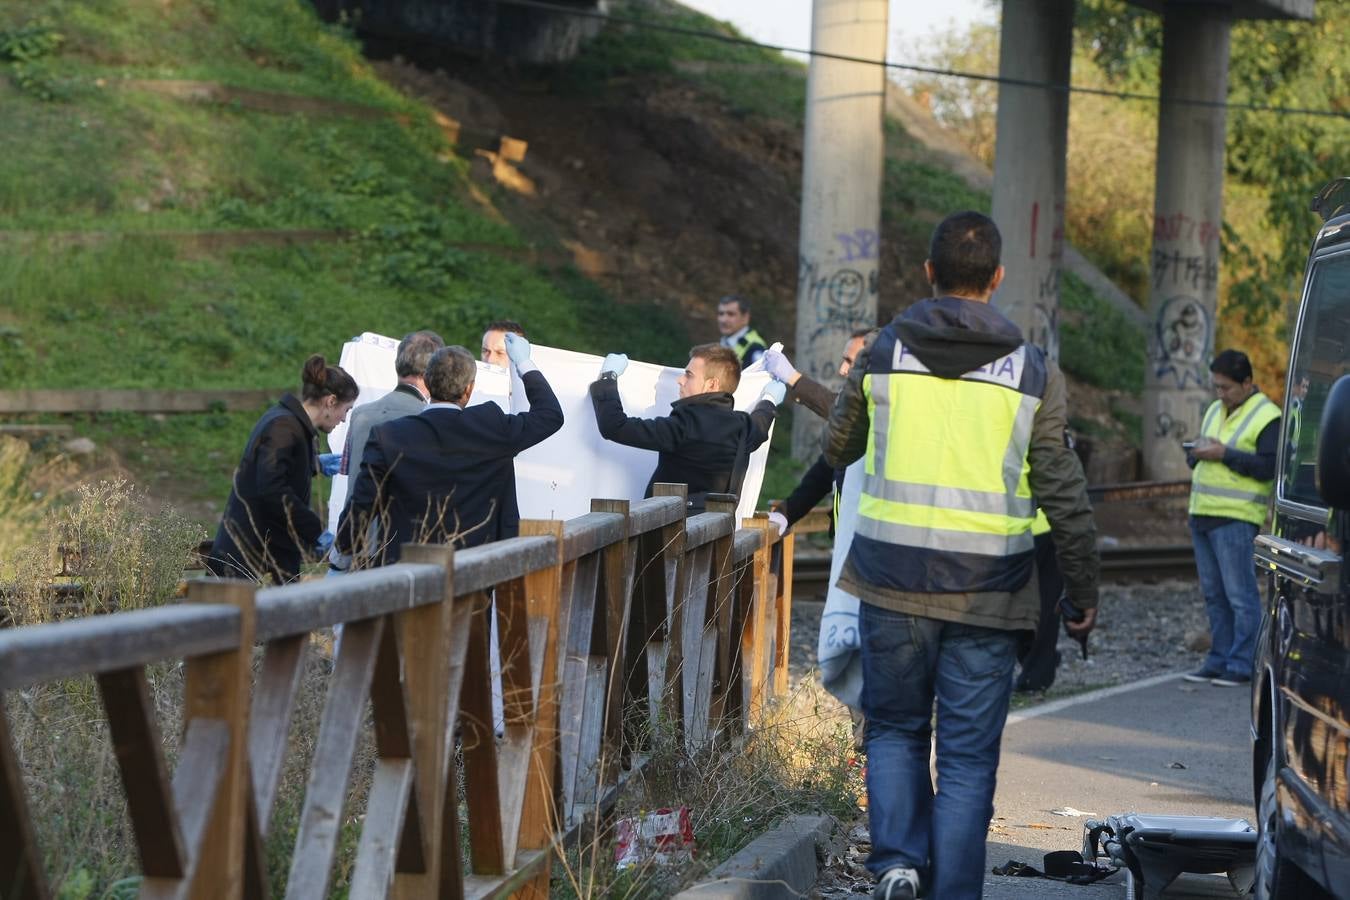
point(774, 391)
point(330, 463)
point(325, 542)
point(338, 563)
point(518, 351)
point(615, 362)
point(779, 366)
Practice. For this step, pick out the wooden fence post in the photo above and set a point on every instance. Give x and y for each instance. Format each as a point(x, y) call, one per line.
point(541, 814)
point(216, 687)
point(616, 578)
point(722, 607)
point(783, 605)
point(21, 873)
point(756, 635)
point(425, 638)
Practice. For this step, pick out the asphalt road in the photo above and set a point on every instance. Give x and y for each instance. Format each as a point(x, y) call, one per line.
point(1169, 747)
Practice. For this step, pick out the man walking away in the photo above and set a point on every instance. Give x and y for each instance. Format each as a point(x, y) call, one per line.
point(733, 321)
point(1233, 465)
point(705, 442)
point(964, 421)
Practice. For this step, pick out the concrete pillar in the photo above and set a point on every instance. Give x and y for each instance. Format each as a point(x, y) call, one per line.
point(837, 277)
point(1036, 44)
point(1187, 215)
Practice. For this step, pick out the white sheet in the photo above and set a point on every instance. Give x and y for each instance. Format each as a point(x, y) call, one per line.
point(557, 478)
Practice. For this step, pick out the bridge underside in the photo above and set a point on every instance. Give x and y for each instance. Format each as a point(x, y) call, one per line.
point(522, 33)
point(1239, 9)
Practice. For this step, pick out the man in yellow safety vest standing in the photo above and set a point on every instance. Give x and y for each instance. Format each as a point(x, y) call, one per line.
point(962, 424)
point(1233, 465)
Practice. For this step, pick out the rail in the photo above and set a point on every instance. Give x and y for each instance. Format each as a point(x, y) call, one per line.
point(630, 607)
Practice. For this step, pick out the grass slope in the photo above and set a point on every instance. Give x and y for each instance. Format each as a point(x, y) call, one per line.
point(85, 150)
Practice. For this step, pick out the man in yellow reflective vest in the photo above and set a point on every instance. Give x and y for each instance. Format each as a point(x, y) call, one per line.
point(961, 424)
point(1233, 464)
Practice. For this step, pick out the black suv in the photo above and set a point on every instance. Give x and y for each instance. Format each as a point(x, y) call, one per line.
point(1301, 688)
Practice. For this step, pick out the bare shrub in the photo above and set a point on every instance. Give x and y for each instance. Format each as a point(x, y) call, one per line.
point(123, 552)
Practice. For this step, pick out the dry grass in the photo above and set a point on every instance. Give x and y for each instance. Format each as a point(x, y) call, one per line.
point(799, 759)
point(29, 486)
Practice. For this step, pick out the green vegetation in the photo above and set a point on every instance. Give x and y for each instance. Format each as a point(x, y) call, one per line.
point(95, 261)
point(916, 195)
point(1098, 343)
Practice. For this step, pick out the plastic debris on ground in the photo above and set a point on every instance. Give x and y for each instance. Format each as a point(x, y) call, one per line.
point(663, 836)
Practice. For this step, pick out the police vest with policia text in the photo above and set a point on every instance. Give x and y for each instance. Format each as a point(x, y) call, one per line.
point(946, 474)
point(1217, 490)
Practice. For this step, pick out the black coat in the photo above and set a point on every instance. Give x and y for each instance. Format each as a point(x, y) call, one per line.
point(446, 474)
point(268, 525)
point(698, 442)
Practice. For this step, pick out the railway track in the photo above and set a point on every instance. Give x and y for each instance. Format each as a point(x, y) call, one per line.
point(1118, 564)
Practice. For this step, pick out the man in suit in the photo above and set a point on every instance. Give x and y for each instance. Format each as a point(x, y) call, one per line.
point(447, 475)
point(704, 442)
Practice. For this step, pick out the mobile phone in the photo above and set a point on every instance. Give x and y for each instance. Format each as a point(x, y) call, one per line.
point(1188, 446)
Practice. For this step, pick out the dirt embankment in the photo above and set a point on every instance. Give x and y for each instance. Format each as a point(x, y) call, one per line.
point(662, 192)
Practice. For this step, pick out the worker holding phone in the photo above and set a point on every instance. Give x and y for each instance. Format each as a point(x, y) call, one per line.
point(1233, 463)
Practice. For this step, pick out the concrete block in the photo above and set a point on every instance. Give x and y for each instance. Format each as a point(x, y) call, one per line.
point(778, 864)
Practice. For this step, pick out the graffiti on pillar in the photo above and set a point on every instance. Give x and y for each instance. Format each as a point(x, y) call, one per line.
point(1056, 230)
point(840, 295)
point(1181, 227)
point(860, 243)
point(1044, 330)
point(1185, 423)
point(1174, 269)
point(1182, 335)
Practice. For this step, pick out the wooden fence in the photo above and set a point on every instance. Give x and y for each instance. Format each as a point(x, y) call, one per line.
point(632, 606)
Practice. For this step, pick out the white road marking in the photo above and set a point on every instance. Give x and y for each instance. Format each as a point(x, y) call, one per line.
point(1090, 697)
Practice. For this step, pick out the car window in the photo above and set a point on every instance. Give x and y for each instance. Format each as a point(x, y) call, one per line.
point(1322, 356)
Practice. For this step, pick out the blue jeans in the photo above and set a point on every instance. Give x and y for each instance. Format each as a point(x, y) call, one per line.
point(907, 661)
point(1223, 559)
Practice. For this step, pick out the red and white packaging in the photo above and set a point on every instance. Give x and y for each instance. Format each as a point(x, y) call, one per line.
point(663, 836)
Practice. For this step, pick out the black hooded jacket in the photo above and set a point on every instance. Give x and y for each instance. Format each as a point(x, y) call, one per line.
point(698, 443)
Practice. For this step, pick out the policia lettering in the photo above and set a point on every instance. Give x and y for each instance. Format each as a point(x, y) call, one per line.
point(955, 489)
point(1217, 490)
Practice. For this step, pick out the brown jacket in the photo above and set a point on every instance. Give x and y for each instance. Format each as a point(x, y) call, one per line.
point(948, 335)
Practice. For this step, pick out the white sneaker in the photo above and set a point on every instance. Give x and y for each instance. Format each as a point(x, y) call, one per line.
point(898, 883)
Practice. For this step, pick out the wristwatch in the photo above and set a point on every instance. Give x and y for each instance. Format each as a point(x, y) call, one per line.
point(609, 376)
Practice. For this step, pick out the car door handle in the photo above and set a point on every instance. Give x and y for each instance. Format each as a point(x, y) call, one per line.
point(1307, 567)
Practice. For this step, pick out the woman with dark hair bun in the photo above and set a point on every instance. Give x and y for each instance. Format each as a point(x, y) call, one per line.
point(268, 527)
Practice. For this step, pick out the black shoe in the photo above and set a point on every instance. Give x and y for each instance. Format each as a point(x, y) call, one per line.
point(1232, 679)
point(1201, 676)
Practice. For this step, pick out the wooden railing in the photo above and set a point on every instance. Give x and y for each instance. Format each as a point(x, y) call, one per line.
point(631, 607)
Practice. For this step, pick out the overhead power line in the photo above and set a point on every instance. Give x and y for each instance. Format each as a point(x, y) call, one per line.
point(925, 70)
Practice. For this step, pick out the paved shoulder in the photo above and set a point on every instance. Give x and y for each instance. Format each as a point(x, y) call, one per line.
point(1165, 747)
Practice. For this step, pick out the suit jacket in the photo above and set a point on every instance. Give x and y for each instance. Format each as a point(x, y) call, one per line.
point(698, 443)
point(268, 525)
point(403, 400)
point(446, 474)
